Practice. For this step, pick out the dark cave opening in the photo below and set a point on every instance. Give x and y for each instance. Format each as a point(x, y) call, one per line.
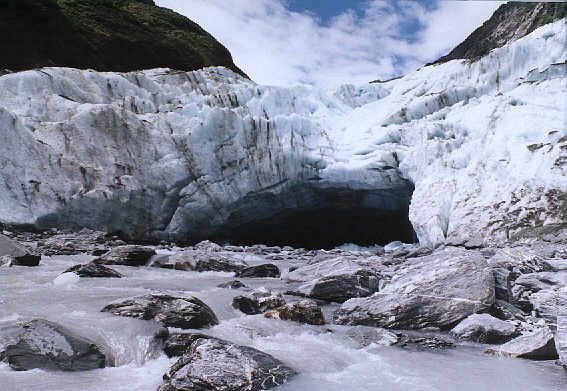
point(321, 217)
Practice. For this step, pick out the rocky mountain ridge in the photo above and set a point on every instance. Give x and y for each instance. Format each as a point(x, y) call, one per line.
point(105, 35)
point(509, 22)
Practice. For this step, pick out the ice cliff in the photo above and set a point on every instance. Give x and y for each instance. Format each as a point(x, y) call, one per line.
point(186, 156)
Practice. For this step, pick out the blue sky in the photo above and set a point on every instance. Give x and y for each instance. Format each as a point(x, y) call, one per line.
point(329, 42)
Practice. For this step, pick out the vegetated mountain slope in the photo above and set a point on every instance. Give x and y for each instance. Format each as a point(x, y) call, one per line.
point(105, 35)
point(509, 22)
point(169, 154)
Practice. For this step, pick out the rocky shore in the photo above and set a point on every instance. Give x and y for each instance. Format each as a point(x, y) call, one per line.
point(508, 301)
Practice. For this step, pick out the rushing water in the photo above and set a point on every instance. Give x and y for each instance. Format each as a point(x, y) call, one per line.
point(325, 357)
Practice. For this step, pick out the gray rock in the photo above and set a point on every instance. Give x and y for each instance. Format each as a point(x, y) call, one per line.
point(437, 290)
point(15, 254)
point(362, 336)
point(47, 345)
point(201, 261)
point(170, 311)
point(484, 328)
point(506, 311)
point(93, 270)
point(213, 364)
point(84, 241)
point(328, 264)
point(258, 301)
point(537, 345)
point(535, 282)
point(129, 255)
point(265, 270)
point(341, 287)
point(304, 311)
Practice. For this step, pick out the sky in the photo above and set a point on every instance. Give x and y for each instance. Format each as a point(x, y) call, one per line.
point(326, 43)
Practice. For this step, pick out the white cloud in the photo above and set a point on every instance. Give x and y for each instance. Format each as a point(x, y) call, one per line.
point(276, 46)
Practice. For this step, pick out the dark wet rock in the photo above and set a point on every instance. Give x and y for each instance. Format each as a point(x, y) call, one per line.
point(97, 252)
point(93, 270)
point(260, 271)
point(232, 284)
point(423, 342)
point(170, 311)
point(15, 254)
point(213, 364)
point(129, 255)
point(176, 345)
point(536, 345)
point(341, 287)
point(437, 290)
point(258, 301)
point(304, 311)
point(29, 260)
point(484, 328)
point(47, 345)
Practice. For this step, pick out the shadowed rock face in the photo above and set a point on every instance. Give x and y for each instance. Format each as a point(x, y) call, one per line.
point(213, 364)
point(47, 345)
point(431, 291)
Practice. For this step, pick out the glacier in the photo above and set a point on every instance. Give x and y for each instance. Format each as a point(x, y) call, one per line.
point(471, 152)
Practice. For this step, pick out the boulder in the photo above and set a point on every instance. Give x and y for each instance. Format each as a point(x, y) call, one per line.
point(484, 328)
point(232, 284)
point(328, 264)
point(15, 254)
point(201, 261)
point(26, 260)
point(536, 345)
point(437, 290)
point(170, 311)
point(46, 345)
point(176, 345)
point(213, 364)
point(258, 301)
point(129, 255)
point(92, 269)
point(259, 271)
point(304, 311)
point(341, 287)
